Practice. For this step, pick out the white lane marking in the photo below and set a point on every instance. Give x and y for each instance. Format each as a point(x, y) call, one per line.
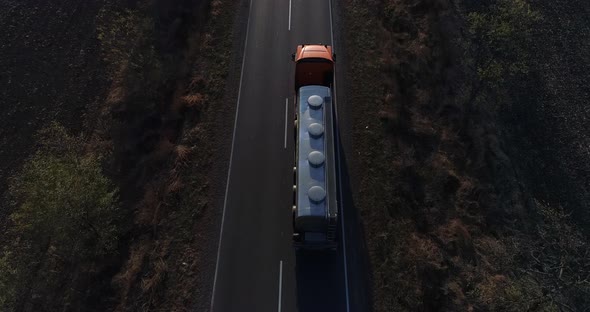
point(286, 121)
point(289, 15)
point(231, 157)
point(340, 171)
point(280, 284)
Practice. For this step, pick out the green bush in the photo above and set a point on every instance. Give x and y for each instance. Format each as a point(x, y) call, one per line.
point(126, 40)
point(68, 201)
point(500, 37)
point(65, 215)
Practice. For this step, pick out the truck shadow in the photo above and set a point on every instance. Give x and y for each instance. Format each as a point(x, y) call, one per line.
point(320, 281)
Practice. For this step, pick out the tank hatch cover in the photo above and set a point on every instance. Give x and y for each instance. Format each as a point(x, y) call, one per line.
point(316, 194)
point(316, 158)
point(315, 130)
point(315, 101)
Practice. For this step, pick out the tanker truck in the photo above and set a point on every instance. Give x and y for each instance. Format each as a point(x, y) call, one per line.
point(315, 205)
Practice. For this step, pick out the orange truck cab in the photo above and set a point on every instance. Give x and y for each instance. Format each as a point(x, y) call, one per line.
point(314, 65)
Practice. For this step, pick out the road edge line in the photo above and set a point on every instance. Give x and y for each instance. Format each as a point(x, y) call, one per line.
point(280, 285)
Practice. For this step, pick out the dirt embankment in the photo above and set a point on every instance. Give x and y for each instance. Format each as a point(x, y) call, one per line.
point(450, 196)
point(142, 82)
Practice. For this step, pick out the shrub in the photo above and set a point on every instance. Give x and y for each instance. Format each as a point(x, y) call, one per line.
point(124, 37)
point(66, 215)
point(68, 201)
point(500, 37)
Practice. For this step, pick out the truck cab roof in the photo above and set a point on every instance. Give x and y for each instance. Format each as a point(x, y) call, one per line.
point(318, 51)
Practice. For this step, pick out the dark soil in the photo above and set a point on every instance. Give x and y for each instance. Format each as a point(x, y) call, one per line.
point(550, 120)
point(50, 70)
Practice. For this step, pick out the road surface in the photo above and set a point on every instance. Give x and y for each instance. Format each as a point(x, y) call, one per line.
point(257, 269)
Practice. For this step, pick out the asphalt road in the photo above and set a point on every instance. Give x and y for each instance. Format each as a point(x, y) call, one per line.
point(257, 269)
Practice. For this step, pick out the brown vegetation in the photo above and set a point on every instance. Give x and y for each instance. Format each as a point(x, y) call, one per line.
point(451, 224)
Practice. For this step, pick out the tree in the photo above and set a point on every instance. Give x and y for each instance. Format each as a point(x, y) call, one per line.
point(67, 201)
point(499, 38)
point(66, 217)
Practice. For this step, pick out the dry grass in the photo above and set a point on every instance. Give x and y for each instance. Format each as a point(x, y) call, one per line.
point(182, 153)
point(149, 284)
point(174, 186)
point(126, 279)
point(193, 100)
point(216, 7)
point(150, 203)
